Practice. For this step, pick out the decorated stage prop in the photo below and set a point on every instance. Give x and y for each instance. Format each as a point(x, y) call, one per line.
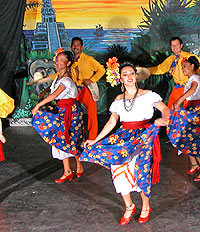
point(41, 72)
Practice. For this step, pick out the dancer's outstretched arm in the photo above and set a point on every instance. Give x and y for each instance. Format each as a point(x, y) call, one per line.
point(106, 130)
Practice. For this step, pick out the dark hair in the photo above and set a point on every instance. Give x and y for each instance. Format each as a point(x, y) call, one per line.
point(176, 38)
point(69, 55)
point(125, 64)
point(193, 60)
point(77, 38)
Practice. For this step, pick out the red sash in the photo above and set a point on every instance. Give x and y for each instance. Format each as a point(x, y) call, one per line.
point(1, 152)
point(136, 125)
point(156, 147)
point(191, 103)
point(67, 104)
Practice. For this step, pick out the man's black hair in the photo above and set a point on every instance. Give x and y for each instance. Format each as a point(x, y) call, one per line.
point(176, 38)
point(77, 38)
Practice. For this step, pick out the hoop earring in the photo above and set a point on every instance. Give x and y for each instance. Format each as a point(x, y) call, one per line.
point(136, 85)
point(122, 87)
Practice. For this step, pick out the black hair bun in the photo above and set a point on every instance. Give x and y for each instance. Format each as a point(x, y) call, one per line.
point(193, 60)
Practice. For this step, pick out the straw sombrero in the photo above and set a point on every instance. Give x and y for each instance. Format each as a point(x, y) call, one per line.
point(142, 73)
point(38, 69)
point(38, 78)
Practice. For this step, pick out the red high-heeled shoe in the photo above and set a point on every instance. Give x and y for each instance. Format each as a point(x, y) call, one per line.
point(145, 219)
point(197, 169)
point(124, 220)
point(70, 177)
point(79, 174)
point(197, 179)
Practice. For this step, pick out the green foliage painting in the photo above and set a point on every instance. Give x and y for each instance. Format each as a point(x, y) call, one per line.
point(149, 47)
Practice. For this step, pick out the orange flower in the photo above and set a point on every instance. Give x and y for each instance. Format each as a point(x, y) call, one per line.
point(59, 51)
point(183, 60)
point(112, 63)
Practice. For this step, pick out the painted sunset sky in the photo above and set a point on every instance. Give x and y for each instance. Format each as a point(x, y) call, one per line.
point(80, 14)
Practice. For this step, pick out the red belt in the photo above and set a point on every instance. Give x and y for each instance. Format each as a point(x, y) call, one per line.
point(136, 125)
point(67, 104)
point(156, 147)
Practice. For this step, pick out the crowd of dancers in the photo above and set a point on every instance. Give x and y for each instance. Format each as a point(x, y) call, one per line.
point(132, 153)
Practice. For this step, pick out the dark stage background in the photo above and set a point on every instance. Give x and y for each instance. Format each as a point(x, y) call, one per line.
point(11, 25)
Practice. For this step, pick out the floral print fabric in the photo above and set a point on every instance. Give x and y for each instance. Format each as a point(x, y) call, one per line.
point(50, 127)
point(184, 130)
point(120, 147)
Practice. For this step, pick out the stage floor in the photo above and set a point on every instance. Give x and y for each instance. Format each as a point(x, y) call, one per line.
point(31, 201)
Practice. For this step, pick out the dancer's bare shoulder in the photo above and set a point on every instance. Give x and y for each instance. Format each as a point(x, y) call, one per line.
point(119, 97)
point(142, 92)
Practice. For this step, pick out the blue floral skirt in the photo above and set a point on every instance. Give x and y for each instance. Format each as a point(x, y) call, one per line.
point(50, 126)
point(120, 147)
point(184, 130)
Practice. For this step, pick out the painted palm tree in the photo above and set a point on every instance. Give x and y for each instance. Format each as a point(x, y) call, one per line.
point(162, 21)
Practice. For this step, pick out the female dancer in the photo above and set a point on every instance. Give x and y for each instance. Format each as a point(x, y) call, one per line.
point(189, 142)
point(128, 152)
point(63, 130)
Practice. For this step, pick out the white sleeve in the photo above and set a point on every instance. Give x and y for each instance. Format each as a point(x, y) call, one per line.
point(113, 107)
point(195, 78)
point(155, 98)
point(69, 84)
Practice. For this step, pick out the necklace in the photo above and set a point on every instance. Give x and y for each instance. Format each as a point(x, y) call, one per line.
point(130, 106)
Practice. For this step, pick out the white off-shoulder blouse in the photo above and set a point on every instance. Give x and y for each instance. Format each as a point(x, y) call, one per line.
point(143, 107)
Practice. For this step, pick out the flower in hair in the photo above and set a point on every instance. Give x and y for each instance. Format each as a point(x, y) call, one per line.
point(57, 52)
point(112, 71)
point(60, 50)
point(183, 60)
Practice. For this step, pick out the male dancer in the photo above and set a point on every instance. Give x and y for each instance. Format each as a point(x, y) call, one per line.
point(173, 65)
point(86, 70)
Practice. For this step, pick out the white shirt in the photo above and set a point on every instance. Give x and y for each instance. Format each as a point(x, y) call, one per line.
point(196, 95)
point(70, 88)
point(142, 108)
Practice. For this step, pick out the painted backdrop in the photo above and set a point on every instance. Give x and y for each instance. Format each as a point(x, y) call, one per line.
point(137, 30)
